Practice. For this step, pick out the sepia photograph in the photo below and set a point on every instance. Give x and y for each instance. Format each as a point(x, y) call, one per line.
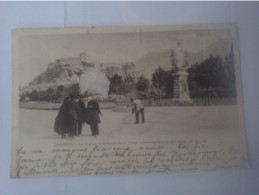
point(126, 100)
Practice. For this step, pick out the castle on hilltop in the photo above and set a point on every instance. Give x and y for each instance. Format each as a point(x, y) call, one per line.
point(82, 60)
point(63, 72)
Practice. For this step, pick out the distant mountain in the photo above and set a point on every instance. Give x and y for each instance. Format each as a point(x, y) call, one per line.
point(148, 63)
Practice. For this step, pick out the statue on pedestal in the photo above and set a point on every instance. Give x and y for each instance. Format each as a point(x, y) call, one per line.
point(179, 58)
point(180, 63)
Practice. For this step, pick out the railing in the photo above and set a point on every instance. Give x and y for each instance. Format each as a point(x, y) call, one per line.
point(194, 102)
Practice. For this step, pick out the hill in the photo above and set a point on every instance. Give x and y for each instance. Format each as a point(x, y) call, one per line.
point(148, 63)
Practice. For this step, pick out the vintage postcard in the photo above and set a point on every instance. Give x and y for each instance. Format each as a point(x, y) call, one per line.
point(126, 100)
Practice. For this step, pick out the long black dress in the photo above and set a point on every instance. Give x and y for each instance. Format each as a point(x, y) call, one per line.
point(61, 121)
point(72, 113)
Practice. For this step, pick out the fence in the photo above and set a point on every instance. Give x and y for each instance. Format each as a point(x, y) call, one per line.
point(195, 102)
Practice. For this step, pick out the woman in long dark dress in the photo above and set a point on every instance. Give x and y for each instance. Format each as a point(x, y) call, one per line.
point(61, 126)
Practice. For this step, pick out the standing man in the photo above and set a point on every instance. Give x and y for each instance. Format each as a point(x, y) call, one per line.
point(93, 118)
point(73, 117)
point(137, 107)
point(81, 114)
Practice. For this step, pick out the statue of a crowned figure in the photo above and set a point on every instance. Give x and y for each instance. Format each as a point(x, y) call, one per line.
point(180, 64)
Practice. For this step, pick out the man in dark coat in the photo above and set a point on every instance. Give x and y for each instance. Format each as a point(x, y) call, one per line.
point(93, 118)
point(73, 111)
point(81, 114)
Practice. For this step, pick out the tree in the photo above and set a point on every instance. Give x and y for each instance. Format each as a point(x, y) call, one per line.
point(169, 85)
point(34, 95)
point(128, 69)
point(231, 78)
point(142, 84)
point(164, 81)
point(60, 91)
point(210, 78)
point(159, 78)
point(116, 85)
point(129, 83)
point(50, 94)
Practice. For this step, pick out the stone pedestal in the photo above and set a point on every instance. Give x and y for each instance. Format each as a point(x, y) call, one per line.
point(181, 87)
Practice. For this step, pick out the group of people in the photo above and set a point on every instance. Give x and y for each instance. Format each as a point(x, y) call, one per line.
point(73, 113)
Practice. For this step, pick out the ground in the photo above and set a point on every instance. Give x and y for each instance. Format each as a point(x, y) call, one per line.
point(182, 138)
point(161, 123)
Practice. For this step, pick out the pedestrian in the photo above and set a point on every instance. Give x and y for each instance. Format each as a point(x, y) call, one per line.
point(81, 114)
point(137, 107)
point(73, 111)
point(61, 125)
point(93, 115)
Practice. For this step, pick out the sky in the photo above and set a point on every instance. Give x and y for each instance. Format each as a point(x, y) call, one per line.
point(36, 51)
